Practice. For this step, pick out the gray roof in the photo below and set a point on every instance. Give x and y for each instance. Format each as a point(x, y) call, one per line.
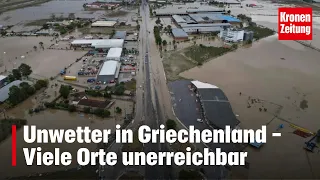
point(120, 35)
point(205, 25)
point(186, 8)
point(206, 17)
point(202, 29)
point(176, 32)
point(4, 91)
point(217, 108)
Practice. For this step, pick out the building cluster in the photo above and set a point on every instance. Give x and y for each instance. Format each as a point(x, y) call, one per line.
point(192, 18)
point(111, 66)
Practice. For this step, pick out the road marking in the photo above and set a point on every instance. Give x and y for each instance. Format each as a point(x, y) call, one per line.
point(276, 134)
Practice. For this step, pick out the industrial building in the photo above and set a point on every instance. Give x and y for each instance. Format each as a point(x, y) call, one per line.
point(4, 91)
point(248, 36)
point(3, 80)
point(104, 24)
point(215, 106)
point(204, 28)
point(185, 9)
point(109, 71)
point(214, 18)
point(120, 35)
point(179, 34)
point(232, 35)
point(114, 54)
point(98, 43)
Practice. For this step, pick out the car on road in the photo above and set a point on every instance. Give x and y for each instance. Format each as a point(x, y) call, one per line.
point(200, 120)
point(97, 87)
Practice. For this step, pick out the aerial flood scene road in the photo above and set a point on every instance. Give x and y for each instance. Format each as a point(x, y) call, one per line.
point(209, 64)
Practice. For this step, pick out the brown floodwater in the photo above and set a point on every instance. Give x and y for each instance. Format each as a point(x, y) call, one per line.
point(49, 119)
point(284, 76)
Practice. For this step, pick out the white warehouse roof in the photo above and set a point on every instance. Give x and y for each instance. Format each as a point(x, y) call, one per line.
point(104, 23)
point(109, 68)
point(202, 85)
point(114, 53)
point(100, 43)
point(2, 77)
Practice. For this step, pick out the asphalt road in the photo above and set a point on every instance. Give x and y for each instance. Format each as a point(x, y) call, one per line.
point(153, 114)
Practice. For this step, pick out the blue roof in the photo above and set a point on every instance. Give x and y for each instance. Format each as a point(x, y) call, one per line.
point(176, 32)
point(229, 18)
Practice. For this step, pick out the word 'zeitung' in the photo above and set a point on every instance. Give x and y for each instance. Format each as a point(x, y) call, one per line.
point(145, 135)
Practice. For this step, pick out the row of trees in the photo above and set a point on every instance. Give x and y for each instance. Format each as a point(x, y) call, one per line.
point(17, 94)
point(157, 35)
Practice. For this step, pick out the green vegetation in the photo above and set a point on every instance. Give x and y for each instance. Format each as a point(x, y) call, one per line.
point(202, 53)
point(23, 70)
point(174, 63)
point(65, 91)
point(101, 112)
point(5, 126)
point(118, 110)
point(25, 90)
point(130, 85)
point(190, 175)
point(171, 124)
point(157, 36)
point(259, 31)
point(136, 146)
point(64, 105)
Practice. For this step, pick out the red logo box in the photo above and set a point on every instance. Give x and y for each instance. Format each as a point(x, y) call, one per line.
point(295, 23)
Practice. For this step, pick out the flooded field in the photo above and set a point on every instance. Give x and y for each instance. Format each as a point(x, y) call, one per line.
point(44, 63)
point(43, 11)
point(51, 119)
point(284, 74)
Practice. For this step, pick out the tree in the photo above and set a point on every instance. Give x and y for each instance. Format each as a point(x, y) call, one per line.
point(229, 12)
point(72, 108)
point(53, 16)
point(41, 44)
point(64, 91)
point(158, 21)
point(71, 16)
point(118, 110)
point(106, 113)
point(11, 78)
point(164, 42)
point(171, 124)
point(87, 110)
point(14, 95)
point(16, 74)
point(45, 26)
point(35, 48)
point(119, 89)
point(25, 69)
point(98, 112)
